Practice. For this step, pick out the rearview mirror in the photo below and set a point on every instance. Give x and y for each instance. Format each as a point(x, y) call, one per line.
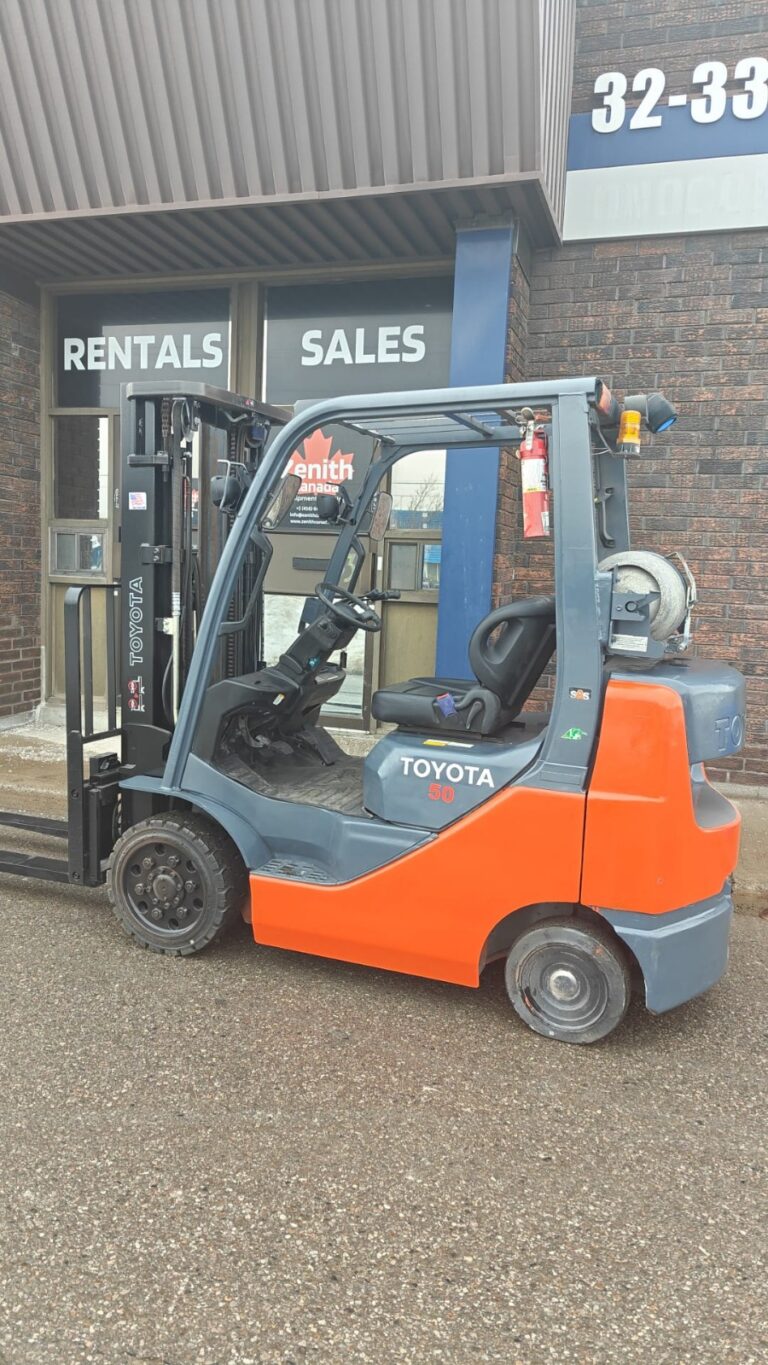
point(283, 501)
point(380, 514)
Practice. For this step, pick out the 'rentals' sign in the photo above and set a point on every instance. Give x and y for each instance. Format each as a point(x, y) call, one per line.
point(331, 339)
point(105, 340)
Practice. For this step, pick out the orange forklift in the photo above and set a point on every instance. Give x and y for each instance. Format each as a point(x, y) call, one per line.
point(584, 846)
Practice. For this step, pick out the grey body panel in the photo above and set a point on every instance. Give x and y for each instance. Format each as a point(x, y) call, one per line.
point(713, 696)
point(711, 809)
point(681, 954)
point(340, 845)
point(566, 754)
point(611, 497)
point(248, 840)
point(402, 768)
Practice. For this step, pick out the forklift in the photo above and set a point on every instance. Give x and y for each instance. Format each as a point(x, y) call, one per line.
point(583, 845)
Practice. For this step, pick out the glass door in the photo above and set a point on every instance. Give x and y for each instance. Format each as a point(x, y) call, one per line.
point(84, 521)
point(411, 564)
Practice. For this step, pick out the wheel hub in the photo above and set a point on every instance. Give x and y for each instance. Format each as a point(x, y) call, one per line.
point(163, 887)
point(167, 887)
point(567, 980)
point(563, 984)
point(563, 987)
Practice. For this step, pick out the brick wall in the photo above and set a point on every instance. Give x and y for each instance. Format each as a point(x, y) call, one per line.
point(627, 35)
point(508, 517)
point(521, 568)
point(20, 554)
point(689, 315)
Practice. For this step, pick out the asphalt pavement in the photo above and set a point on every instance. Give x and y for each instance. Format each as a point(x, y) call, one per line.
point(254, 1156)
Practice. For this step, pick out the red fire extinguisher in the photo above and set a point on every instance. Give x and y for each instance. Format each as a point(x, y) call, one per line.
point(534, 468)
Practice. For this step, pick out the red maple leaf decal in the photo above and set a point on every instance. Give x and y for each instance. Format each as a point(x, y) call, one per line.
point(320, 469)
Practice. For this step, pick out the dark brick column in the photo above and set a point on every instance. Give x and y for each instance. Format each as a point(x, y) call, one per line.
point(20, 543)
point(522, 567)
point(508, 569)
point(689, 315)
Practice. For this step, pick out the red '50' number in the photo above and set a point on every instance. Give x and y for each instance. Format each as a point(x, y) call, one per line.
point(438, 793)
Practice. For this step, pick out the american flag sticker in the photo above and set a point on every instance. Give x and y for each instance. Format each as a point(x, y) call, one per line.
point(137, 502)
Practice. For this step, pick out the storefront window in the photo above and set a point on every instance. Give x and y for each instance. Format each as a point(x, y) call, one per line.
point(403, 567)
point(418, 491)
point(414, 565)
point(356, 337)
point(81, 468)
point(430, 566)
point(77, 552)
point(282, 613)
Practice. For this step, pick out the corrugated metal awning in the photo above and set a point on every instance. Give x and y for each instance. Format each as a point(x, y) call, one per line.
point(280, 131)
point(392, 229)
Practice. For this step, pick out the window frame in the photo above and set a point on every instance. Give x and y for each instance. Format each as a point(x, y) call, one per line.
point(87, 525)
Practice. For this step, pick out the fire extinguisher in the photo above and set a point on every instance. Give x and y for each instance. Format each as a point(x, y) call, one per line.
point(534, 468)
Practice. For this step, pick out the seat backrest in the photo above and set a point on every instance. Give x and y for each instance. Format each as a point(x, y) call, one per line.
point(511, 665)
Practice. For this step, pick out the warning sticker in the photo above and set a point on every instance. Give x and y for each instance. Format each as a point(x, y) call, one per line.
point(636, 643)
point(580, 693)
point(534, 476)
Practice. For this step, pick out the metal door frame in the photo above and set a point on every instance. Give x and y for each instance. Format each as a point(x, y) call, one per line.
point(109, 526)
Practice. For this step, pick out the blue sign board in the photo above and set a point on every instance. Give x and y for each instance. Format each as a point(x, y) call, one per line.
point(649, 161)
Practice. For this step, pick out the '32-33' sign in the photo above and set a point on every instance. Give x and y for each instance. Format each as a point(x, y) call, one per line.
point(707, 105)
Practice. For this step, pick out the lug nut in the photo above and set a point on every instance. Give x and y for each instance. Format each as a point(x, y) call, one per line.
point(190, 886)
point(157, 914)
point(146, 862)
point(173, 859)
point(139, 888)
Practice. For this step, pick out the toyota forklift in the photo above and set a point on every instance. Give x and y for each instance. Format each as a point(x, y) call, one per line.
point(582, 845)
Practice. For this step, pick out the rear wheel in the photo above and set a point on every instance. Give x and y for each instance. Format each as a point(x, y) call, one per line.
point(174, 881)
point(568, 980)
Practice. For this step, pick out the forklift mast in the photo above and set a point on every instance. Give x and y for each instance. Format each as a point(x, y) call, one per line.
point(165, 578)
point(189, 454)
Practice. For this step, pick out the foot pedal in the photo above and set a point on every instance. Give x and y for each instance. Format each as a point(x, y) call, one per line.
point(322, 744)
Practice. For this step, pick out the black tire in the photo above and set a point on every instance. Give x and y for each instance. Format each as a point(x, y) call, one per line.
point(568, 980)
point(162, 909)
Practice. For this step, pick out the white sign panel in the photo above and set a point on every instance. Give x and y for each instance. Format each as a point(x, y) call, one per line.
point(649, 160)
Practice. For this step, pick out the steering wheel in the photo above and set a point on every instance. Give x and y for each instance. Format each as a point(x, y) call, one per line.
point(351, 610)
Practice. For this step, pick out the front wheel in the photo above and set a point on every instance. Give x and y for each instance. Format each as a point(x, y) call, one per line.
point(568, 980)
point(174, 881)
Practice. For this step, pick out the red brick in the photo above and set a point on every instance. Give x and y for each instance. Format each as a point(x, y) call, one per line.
point(20, 548)
point(687, 314)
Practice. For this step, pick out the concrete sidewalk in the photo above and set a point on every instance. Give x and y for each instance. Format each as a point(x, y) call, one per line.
point(33, 779)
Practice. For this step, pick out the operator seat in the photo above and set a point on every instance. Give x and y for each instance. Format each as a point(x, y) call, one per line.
point(506, 668)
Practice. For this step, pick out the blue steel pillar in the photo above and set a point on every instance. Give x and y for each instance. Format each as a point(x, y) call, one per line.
point(478, 350)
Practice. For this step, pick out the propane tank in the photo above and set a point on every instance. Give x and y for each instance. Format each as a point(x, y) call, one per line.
point(534, 469)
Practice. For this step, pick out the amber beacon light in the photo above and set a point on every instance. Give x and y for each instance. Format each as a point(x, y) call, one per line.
point(628, 442)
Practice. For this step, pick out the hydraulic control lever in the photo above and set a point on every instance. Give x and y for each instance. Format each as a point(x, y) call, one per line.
point(380, 595)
